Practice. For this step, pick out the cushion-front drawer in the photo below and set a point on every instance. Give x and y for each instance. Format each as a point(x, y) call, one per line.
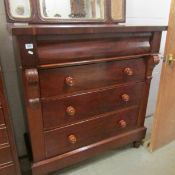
point(66, 80)
point(54, 51)
point(57, 112)
point(84, 133)
point(3, 136)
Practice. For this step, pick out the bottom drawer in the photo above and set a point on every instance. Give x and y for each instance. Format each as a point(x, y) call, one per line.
point(66, 139)
point(5, 155)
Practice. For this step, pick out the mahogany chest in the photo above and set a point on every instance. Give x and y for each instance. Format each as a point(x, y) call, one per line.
point(85, 87)
point(9, 164)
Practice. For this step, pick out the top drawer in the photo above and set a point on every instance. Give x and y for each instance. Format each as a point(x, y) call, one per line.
point(66, 80)
point(53, 51)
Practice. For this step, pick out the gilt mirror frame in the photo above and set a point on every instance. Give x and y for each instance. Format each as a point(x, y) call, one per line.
point(36, 16)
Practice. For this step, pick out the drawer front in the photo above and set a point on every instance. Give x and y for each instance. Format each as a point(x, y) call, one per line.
point(1, 117)
point(5, 155)
point(71, 51)
point(66, 80)
point(3, 136)
point(79, 107)
point(76, 136)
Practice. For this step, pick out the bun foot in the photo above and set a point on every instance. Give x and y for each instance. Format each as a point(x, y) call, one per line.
point(137, 144)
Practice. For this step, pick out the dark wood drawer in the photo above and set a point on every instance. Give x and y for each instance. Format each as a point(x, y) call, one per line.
point(84, 133)
point(79, 107)
point(1, 116)
point(5, 155)
point(3, 136)
point(71, 51)
point(66, 80)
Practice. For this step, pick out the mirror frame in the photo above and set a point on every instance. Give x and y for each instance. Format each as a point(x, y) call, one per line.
point(11, 18)
point(74, 20)
point(36, 17)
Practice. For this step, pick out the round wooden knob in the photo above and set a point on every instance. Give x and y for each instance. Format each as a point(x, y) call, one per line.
point(72, 139)
point(128, 71)
point(71, 111)
point(125, 97)
point(70, 81)
point(122, 124)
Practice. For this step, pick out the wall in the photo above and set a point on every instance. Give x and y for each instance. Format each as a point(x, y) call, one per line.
point(11, 81)
point(139, 12)
point(150, 12)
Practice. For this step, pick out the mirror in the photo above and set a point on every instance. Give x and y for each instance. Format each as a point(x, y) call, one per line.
point(20, 8)
point(73, 9)
point(117, 11)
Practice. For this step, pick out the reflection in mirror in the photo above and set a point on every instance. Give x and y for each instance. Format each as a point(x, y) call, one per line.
point(20, 8)
point(72, 9)
point(117, 9)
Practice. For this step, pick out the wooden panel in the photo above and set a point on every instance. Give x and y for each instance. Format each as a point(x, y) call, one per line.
point(8, 170)
point(8, 154)
point(1, 117)
point(58, 112)
point(164, 121)
point(59, 141)
point(53, 81)
point(28, 55)
point(3, 136)
point(75, 51)
point(5, 155)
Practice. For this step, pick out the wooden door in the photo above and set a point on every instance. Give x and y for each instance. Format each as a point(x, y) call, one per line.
point(163, 131)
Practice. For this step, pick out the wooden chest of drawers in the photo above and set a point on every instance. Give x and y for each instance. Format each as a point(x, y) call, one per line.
point(86, 88)
point(8, 157)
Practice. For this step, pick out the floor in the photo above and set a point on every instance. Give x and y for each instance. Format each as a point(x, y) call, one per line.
point(128, 161)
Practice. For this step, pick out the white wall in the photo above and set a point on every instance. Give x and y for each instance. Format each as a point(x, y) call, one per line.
point(150, 12)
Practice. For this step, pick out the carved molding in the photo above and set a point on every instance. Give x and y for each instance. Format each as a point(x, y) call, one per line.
point(151, 63)
point(34, 113)
point(32, 76)
point(156, 59)
point(32, 86)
